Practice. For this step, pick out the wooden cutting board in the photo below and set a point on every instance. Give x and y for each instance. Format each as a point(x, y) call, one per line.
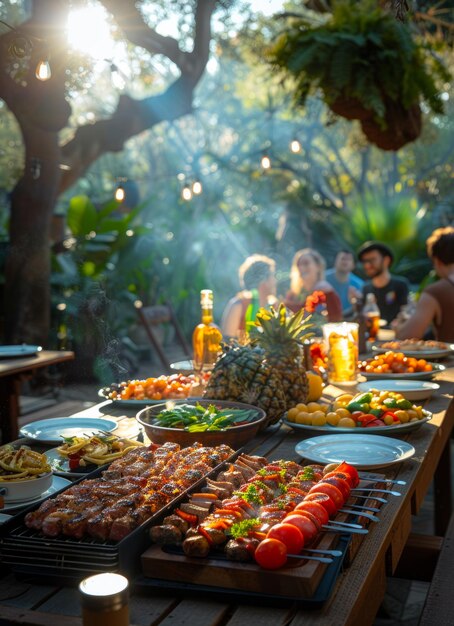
point(299, 579)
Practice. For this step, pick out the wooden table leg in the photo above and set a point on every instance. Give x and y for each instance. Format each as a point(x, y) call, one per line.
point(442, 491)
point(9, 407)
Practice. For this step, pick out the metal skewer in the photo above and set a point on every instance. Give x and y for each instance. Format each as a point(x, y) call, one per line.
point(345, 529)
point(361, 507)
point(370, 516)
point(300, 557)
point(318, 551)
point(381, 479)
point(347, 524)
point(383, 500)
point(371, 489)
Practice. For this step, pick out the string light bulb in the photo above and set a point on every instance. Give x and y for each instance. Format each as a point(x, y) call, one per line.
point(265, 162)
point(120, 193)
point(186, 193)
point(43, 71)
point(295, 146)
point(197, 188)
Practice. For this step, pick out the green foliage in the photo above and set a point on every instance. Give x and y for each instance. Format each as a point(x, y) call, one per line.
point(360, 52)
point(98, 276)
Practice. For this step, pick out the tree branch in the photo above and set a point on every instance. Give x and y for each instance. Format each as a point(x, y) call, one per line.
point(131, 21)
point(132, 116)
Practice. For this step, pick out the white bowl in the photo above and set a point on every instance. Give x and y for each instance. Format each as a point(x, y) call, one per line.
point(18, 490)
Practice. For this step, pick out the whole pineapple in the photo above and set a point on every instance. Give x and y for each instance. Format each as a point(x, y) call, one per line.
point(281, 338)
point(242, 374)
point(268, 372)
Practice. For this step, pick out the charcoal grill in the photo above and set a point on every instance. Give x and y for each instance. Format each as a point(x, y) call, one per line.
point(27, 551)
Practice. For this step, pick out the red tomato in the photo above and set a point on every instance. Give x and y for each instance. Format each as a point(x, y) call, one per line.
point(324, 500)
point(315, 508)
point(308, 528)
point(271, 554)
point(290, 535)
point(342, 482)
point(351, 471)
point(333, 492)
point(365, 418)
point(374, 423)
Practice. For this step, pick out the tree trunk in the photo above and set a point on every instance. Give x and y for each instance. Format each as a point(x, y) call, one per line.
point(27, 268)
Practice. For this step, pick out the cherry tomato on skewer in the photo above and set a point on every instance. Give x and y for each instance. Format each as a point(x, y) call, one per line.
point(323, 499)
point(271, 554)
point(307, 527)
point(333, 492)
point(290, 535)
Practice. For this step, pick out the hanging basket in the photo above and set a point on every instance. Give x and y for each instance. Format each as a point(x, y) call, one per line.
point(351, 109)
point(403, 126)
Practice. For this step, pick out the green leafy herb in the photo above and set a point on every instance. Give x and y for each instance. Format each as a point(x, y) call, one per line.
point(251, 495)
point(243, 528)
point(307, 474)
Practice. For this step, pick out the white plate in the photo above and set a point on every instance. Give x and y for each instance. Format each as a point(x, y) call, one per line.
point(13, 352)
point(410, 389)
point(436, 368)
point(430, 353)
point(60, 465)
point(362, 451)
point(387, 431)
point(52, 430)
point(58, 484)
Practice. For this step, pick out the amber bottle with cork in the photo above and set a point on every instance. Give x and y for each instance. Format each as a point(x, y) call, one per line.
point(206, 338)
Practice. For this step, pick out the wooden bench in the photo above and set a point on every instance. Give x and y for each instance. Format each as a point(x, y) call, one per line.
point(439, 606)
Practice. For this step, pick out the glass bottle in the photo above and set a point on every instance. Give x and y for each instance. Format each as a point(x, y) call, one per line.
point(359, 318)
point(206, 338)
point(371, 314)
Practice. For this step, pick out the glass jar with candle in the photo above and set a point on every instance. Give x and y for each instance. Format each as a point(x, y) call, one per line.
point(104, 599)
point(341, 343)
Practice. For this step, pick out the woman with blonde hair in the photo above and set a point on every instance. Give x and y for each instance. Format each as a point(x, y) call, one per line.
point(307, 275)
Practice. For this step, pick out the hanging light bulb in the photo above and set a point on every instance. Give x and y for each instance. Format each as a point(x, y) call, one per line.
point(120, 193)
point(186, 193)
point(43, 71)
point(295, 146)
point(197, 187)
point(265, 162)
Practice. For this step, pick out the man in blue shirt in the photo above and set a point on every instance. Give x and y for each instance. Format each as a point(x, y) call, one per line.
point(346, 284)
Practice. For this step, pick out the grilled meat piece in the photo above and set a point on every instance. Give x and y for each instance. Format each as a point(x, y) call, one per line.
point(166, 534)
point(176, 520)
point(196, 546)
point(241, 549)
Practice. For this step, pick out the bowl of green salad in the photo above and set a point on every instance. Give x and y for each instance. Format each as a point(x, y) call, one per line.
point(210, 422)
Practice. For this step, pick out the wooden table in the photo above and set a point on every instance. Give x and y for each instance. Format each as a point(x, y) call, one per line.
point(12, 371)
point(359, 589)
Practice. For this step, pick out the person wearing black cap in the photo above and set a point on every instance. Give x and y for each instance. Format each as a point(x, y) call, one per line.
point(391, 292)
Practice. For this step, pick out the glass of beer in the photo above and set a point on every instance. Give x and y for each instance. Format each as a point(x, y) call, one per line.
point(341, 344)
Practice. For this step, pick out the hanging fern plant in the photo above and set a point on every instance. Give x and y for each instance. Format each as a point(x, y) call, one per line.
point(369, 67)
